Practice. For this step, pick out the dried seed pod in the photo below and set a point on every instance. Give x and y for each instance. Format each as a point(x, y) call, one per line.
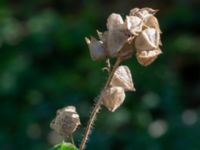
point(66, 121)
point(123, 78)
point(115, 41)
point(152, 22)
point(147, 57)
point(96, 48)
point(115, 22)
point(143, 13)
point(113, 97)
point(134, 24)
point(147, 15)
point(134, 11)
point(148, 39)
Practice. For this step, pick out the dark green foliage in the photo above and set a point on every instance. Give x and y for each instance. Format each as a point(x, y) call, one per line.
point(45, 65)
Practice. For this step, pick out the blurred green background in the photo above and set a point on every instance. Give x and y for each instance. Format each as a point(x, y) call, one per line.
point(45, 65)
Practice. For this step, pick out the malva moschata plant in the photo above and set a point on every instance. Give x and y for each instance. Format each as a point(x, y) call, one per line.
point(137, 35)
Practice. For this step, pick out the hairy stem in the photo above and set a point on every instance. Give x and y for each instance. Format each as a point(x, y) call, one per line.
point(97, 106)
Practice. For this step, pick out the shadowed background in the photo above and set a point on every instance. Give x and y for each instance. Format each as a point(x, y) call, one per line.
point(45, 65)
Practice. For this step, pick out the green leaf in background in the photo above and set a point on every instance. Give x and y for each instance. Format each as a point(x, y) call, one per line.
point(64, 146)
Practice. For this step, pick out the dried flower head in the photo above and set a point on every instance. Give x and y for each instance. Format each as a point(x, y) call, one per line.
point(140, 29)
point(113, 97)
point(66, 121)
point(123, 78)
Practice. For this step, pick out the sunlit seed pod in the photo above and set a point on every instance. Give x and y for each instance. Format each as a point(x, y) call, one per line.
point(145, 58)
point(134, 24)
point(152, 22)
point(123, 78)
point(66, 121)
point(148, 39)
point(113, 97)
point(115, 22)
point(96, 48)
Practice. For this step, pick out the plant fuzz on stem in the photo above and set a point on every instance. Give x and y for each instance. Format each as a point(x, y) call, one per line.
point(97, 107)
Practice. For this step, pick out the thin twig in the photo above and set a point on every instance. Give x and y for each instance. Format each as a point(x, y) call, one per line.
point(97, 107)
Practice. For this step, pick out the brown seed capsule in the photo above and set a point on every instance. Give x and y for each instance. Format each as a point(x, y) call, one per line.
point(147, 57)
point(113, 97)
point(148, 39)
point(123, 78)
point(96, 48)
point(66, 121)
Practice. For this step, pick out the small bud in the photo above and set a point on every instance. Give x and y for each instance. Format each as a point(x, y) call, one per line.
point(147, 57)
point(96, 48)
point(113, 97)
point(134, 24)
point(147, 40)
point(123, 78)
point(115, 21)
point(66, 121)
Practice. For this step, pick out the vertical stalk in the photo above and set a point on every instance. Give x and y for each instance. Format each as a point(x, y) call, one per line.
point(97, 107)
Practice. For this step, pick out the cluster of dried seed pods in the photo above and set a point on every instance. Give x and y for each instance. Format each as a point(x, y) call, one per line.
point(114, 95)
point(66, 121)
point(140, 29)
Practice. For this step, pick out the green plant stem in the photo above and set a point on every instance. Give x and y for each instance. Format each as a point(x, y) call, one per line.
point(97, 107)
